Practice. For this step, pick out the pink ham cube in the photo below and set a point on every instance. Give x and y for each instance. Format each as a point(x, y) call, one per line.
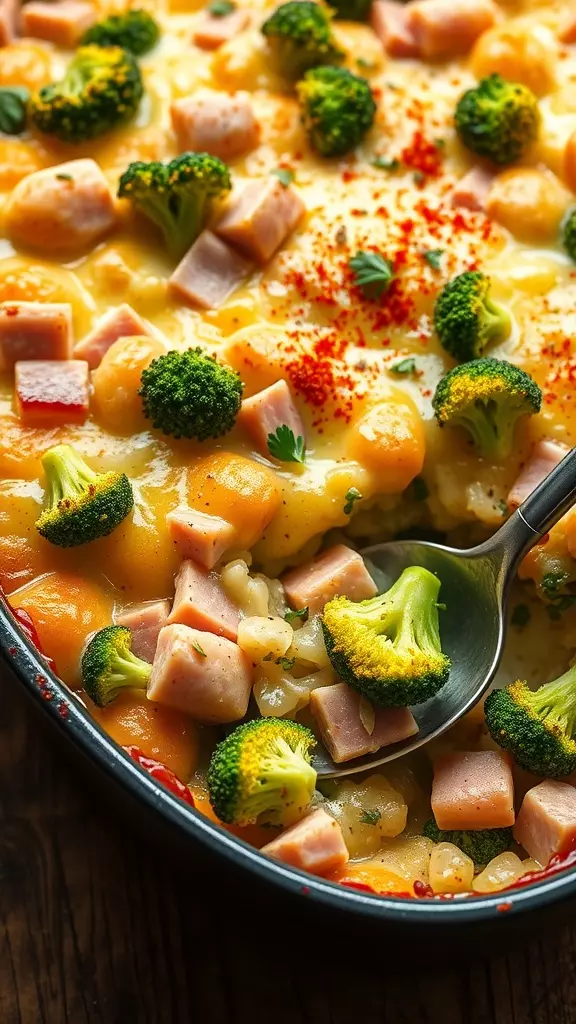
point(201, 602)
point(445, 28)
point(390, 23)
point(260, 219)
point(62, 23)
point(473, 790)
point(471, 192)
point(208, 273)
point(120, 322)
point(337, 572)
point(545, 456)
point(145, 621)
point(546, 822)
point(206, 676)
point(201, 537)
point(51, 392)
point(262, 414)
point(34, 330)
point(9, 11)
point(336, 710)
point(212, 31)
point(314, 844)
point(213, 122)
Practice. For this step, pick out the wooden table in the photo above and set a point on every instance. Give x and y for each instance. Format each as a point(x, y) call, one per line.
point(95, 929)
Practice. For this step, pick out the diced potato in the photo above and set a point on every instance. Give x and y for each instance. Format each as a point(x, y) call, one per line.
point(374, 875)
point(450, 869)
point(17, 159)
point(36, 281)
point(26, 63)
point(500, 872)
point(116, 382)
point(242, 491)
point(260, 636)
point(368, 812)
point(389, 440)
point(408, 856)
point(518, 52)
point(529, 202)
point(250, 593)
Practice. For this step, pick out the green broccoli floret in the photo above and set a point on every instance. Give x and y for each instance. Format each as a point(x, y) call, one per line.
point(108, 665)
point(569, 233)
point(133, 30)
point(481, 845)
point(536, 726)
point(388, 648)
point(487, 397)
point(299, 35)
point(498, 119)
point(101, 89)
point(337, 107)
point(80, 505)
point(176, 196)
point(466, 319)
point(189, 394)
point(352, 10)
point(262, 773)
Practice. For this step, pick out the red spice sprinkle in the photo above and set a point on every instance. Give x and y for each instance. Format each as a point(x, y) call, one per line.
point(422, 155)
point(63, 710)
point(502, 907)
point(13, 651)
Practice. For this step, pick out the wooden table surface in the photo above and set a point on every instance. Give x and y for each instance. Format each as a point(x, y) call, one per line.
point(96, 929)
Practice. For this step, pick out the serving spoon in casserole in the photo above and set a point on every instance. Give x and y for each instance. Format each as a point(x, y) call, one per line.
point(474, 588)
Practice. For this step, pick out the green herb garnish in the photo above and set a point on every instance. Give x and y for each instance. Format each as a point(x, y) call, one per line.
point(285, 447)
point(373, 273)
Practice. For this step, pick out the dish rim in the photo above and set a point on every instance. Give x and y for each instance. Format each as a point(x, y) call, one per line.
point(74, 720)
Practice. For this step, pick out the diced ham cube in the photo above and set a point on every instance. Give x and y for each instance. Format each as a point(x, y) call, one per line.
point(473, 790)
point(145, 621)
point(261, 218)
point(445, 28)
point(61, 23)
point(570, 161)
point(34, 330)
point(471, 192)
point(51, 392)
point(390, 22)
point(337, 572)
point(201, 537)
point(545, 456)
point(262, 414)
point(9, 11)
point(66, 208)
point(314, 844)
point(336, 710)
point(546, 822)
point(200, 601)
point(208, 273)
point(212, 32)
point(206, 676)
point(213, 122)
point(567, 30)
point(121, 322)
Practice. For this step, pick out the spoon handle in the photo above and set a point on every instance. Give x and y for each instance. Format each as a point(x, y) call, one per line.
point(540, 511)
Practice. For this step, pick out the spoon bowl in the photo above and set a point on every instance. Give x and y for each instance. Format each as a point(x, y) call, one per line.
point(474, 587)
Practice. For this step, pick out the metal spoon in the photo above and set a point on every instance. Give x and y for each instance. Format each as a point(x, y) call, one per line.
point(475, 585)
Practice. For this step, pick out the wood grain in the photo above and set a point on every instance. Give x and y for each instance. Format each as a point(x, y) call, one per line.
point(95, 928)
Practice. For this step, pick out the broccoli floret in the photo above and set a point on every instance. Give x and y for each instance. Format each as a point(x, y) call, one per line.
point(337, 107)
point(487, 397)
point(466, 319)
point(299, 35)
point(481, 845)
point(108, 665)
point(388, 648)
point(569, 233)
point(189, 394)
point(101, 89)
point(498, 119)
point(80, 505)
point(352, 10)
point(133, 30)
point(176, 196)
point(262, 773)
point(536, 726)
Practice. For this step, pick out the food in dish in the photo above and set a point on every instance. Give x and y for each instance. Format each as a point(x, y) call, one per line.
point(275, 285)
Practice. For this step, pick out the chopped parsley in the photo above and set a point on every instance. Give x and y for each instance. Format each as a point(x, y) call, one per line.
point(13, 101)
point(370, 817)
point(65, 177)
point(301, 613)
point(434, 258)
point(220, 8)
point(284, 174)
point(198, 648)
point(352, 495)
point(521, 615)
point(285, 447)
point(405, 367)
point(286, 663)
point(386, 163)
point(372, 272)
